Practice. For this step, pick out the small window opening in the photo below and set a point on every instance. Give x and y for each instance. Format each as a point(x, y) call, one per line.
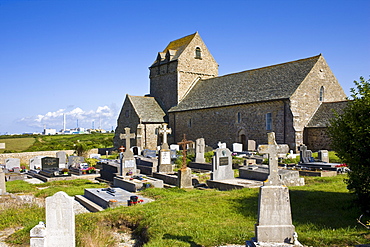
point(198, 53)
point(189, 123)
point(239, 119)
point(268, 121)
point(321, 98)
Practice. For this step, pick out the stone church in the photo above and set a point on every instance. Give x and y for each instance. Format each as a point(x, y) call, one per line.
point(293, 99)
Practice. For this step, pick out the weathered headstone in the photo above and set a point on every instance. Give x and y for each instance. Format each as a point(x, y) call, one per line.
point(184, 174)
point(199, 150)
point(38, 235)
point(164, 162)
point(60, 220)
point(274, 214)
point(323, 156)
point(12, 163)
point(222, 165)
point(75, 161)
point(2, 182)
point(237, 147)
point(305, 154)
point(62, 156)
point(127, 160)
point(35, 163)
point(251, 145)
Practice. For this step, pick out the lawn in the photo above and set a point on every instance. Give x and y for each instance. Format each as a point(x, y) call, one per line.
point(322, 214)
point(17, 144)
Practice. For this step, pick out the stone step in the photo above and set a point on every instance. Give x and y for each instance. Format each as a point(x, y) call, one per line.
point(91, 206)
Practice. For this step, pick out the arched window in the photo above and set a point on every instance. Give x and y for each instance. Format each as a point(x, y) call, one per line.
point(321, 98)
point(198, 53)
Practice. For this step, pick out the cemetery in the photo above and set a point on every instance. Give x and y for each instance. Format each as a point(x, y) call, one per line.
point(133, 178)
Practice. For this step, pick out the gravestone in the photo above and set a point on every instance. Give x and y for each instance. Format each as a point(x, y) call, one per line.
point(175, 147)
point(2, 182)
point(49, 166)
point(305, 154)
point(199, 150)
point(75, 161)
point(95, 156)
point(274, 214)
point(184, 174)
point(222, 165)
point(237, 147)
point(127, 160)
point(323, 156)
point(221, 145)
point(38, 235)
point(251, 145)
point(35, 163)
point(62, 156)
point(60, 220)
point(12, 163)
point(165, 153)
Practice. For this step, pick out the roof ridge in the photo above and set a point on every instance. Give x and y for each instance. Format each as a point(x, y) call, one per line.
point(177, 43)
point(270, 66)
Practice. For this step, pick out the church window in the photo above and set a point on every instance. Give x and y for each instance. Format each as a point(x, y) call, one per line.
point(268, 121)
point(189, 123)
point(239, 117)
point(198, 53)
point(321, 97)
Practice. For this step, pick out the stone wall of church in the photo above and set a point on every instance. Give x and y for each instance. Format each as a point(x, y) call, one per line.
point(317, 139)
point(226, 123)
point(151, 134)
point(306, 100)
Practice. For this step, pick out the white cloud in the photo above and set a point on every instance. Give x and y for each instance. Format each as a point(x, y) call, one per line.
point(104, 117)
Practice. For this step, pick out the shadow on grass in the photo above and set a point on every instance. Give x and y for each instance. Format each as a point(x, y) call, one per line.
point(186, 239)
point(320, 208)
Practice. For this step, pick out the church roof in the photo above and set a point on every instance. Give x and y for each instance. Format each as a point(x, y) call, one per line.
point(175, 48)
point(325, 113)
point(147, 109)
point(257, 85)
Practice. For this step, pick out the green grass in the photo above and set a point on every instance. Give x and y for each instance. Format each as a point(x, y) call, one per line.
point(16, 144)
point(322, 214)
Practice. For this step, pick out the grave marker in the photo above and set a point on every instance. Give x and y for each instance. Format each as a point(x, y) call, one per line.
point(12, 163)
point(251, 145)
point(2, 182)
point(164, 164)
point(222, 166)
point(184, 174)
point(60, 220)
point(199, 150)
point(75, 161)
point(35, 163)
point(164, 132)
point(274, 214)
point(237, 147)
point(127, 136)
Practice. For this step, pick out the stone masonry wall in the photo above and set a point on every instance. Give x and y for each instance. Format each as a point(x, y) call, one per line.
point(221, 124)
point(317, 139)
point(26, 156)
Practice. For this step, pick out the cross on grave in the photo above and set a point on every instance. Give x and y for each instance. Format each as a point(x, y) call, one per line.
point(184, 142)
point(127, 136)
point(273, 149)
point(164, 131)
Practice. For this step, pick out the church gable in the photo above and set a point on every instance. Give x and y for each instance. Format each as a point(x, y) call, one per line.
point(147, 109)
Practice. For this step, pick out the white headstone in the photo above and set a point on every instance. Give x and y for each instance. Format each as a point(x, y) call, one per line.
point(2, 182)
point(35, 163)
point(222, 165)
point(199, 150)
point(251, 145)
point(164, 132)
point(60, 220)
point(11, 163)
point(175, 147)
point(237, 147)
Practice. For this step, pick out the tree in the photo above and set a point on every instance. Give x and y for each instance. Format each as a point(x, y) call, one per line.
point(350, 134)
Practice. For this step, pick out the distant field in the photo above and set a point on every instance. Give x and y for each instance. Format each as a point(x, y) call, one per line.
point(17, 144)
point(32, 143)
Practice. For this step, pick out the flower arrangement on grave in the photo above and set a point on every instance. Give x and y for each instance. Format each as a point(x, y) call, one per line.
point(91, 170)
point(65, 171)
point(23, 169)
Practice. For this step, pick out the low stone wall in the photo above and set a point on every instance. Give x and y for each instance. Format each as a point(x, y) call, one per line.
point(26, 156)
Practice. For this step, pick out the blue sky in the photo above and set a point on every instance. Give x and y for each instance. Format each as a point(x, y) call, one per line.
point(81, 57)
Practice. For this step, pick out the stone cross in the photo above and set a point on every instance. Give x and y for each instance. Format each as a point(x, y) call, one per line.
point(272, 149)
point(127, 136)
point(184, 142)
point(164, 131)
point(199, 150)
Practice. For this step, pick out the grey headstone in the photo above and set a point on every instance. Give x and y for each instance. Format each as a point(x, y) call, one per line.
point(237, 147)
point(38, 235)
point(222, 166)
point(60, 220)
point(221, 145)
point(164, 161)
point(164, 131)
point(62, 157)
point(75, 161)
point(184, 178)
point(2, 182)
point(323, 156)
point(149, 153)
point(11, 163)
point(199, 150)
point(35, 163)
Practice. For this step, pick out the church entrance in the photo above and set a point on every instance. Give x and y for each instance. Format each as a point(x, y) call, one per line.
point(242, 138)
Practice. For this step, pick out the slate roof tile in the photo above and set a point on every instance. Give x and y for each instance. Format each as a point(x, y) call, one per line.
point(147, 109)
point(325, 113)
